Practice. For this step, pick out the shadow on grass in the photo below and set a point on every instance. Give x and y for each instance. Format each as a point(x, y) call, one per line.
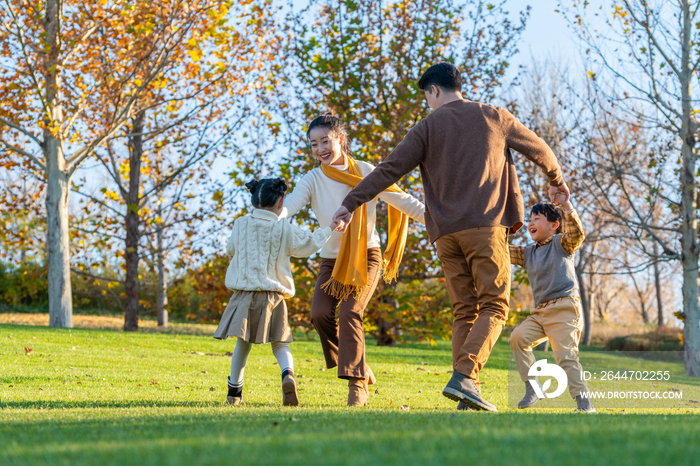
point(341, 436)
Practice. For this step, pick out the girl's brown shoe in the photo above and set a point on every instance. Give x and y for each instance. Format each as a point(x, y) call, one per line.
point(289, 390)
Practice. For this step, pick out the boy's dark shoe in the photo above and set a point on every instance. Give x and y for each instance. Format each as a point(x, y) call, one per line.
point(584, 405)
point(235, 394)
point(289, 390)
point(530, 399)
point(462, 388)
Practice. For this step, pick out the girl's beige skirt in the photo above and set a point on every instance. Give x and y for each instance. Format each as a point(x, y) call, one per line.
point(256, 317)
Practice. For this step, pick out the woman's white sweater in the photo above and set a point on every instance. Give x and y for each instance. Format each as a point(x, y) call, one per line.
point(326, 196)
point(260, 247)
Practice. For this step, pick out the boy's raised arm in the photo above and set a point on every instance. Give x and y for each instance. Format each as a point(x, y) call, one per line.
point(573, 235)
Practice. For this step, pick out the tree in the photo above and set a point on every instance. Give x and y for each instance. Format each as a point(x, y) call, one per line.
point(73, 74)
point(649, 76)
point(63, 62)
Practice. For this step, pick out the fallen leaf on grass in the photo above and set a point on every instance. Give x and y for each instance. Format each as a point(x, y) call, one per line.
point(12, 386)
point(274, 423)
point(437, 373)
point(405, 407)
point(10, 336)
point(136, 384)
point(177, 388)
point(376, 392)
point(420, 369)
point(205, 372)
point(211, 389)
point(41, 389)
point(80, 383)
point(390, 402)
point(153, 382)
point(385, 372)
point(228, 353)
point(28, 350)
point(197, 352)
point(694, 401)
point(33, 338)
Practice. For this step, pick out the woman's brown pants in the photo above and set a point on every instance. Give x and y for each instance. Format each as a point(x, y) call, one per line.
point(343, 343)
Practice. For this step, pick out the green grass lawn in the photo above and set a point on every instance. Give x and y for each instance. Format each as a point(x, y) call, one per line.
point(104, 397)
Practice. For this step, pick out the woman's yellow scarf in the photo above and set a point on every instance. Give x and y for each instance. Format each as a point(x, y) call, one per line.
point(350, 271)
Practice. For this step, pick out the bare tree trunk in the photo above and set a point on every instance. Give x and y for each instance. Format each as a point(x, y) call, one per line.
point(657, 283)
point(131, 254)
point(642, 303)
point(162, 283)
point(57, 181)
point(689, 238)
point(585, 306)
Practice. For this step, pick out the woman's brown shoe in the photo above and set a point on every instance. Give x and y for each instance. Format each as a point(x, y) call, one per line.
point(357, 392)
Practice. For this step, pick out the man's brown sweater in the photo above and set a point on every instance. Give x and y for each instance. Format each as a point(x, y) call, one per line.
point(469, 179)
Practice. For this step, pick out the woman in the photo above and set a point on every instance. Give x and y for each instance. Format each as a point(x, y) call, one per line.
point(351, 262)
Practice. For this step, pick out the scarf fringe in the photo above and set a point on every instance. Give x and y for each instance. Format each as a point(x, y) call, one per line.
point(390, 272)
point(340, 291)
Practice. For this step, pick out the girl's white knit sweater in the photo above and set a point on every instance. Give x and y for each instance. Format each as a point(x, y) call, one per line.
point(326, 196)
point(260, 247)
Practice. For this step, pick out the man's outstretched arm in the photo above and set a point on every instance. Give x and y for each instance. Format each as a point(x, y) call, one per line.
point(404, 158)
point(534, 148)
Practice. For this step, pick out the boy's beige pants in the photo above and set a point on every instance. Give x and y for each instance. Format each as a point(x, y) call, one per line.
point(561, 321)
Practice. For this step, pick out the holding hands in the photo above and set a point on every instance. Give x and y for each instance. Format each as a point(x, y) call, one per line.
point(562, 191)
point(342, 217)
point(564, 201)
point(337, 225)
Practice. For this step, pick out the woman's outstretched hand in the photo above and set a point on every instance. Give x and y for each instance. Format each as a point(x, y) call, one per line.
point(343, 217)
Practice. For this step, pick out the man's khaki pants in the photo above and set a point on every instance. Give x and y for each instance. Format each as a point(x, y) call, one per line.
point(476, 263)
point(560, 321)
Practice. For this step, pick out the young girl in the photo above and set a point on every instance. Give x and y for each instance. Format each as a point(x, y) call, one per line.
point(261, 277)
point(350, 267)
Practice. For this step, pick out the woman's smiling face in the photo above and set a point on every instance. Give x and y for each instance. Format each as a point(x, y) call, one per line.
point(326, 146)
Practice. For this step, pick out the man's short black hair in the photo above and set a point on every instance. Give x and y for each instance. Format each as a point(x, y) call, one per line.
point(552, 212)
point(444, 75)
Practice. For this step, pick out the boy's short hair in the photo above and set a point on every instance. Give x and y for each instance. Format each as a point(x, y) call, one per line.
point(552, 212)
point(444, 75)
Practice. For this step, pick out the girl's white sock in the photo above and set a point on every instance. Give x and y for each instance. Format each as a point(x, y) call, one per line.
point(238, 360)
point(283, 356)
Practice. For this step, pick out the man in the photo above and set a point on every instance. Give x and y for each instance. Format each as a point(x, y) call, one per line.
point(472, 203)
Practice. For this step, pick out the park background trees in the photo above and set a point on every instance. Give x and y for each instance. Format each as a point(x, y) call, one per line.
point(129, 129)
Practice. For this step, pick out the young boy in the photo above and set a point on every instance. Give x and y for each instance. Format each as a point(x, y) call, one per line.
point(557, 314)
